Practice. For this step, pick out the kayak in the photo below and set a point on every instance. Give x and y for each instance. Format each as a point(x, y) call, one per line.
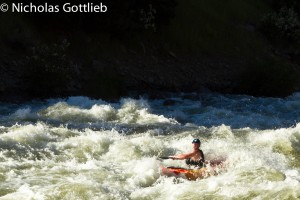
point(190, 174)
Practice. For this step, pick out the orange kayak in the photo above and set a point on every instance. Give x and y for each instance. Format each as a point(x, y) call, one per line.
point(192, 174)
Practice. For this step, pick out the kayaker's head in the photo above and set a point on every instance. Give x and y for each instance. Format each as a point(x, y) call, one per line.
point(196, 143)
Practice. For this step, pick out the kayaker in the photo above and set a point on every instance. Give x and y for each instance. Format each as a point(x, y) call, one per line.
point(195, 158)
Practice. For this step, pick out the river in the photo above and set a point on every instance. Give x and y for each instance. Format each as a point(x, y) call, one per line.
point(82, 148)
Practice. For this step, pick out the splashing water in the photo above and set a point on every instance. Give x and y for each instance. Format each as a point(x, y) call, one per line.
point(78, 148)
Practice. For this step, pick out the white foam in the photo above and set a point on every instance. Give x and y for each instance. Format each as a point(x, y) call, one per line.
point(23, 113)
point(48, 159)
point(131, 111)
point(143, 172)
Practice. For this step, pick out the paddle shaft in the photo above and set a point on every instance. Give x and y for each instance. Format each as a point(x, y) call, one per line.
point(165, 157)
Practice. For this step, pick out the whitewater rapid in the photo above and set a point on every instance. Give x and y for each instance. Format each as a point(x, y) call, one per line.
point(81, 148)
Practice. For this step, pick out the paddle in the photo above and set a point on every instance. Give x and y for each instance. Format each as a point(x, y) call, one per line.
point(211, 162)
point(165, 157)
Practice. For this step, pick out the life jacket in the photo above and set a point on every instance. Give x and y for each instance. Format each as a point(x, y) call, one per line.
point(197, 163)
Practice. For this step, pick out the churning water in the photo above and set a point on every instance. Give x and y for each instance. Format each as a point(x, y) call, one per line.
point(79, 148)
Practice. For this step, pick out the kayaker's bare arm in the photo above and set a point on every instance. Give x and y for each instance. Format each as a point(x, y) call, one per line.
point(183, 156)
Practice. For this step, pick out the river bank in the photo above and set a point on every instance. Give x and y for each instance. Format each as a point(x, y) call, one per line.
point(180, 52)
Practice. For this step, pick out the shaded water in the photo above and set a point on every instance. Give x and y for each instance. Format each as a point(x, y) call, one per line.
point(78, 148)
